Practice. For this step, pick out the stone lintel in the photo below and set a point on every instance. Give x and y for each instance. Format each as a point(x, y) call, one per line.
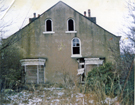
point(93, 61)
point(25, 62)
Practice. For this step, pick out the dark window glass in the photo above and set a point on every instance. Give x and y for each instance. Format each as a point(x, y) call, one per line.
point(48, 25)
point(77, 44)
point(76, 50)
point(82, 66)
point(70, 25)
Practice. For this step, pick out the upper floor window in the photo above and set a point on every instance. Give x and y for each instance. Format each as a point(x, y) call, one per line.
point(70, 26)
point(76, 47)
point(48, 26)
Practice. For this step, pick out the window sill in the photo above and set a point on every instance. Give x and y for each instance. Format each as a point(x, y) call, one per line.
point(49, 32)
point(69, 32)
point(76, 56)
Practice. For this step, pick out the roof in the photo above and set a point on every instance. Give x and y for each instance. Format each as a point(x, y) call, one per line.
point(92, 19)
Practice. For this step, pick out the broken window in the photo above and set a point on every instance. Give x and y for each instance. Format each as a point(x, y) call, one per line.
point(34, 70)
point(70, 25)
point(76, 47)
point(82, 66)
point(83, 77)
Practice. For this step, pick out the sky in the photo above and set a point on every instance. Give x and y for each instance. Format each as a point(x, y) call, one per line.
point(109, 13)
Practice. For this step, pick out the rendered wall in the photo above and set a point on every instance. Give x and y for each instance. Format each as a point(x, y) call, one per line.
point(56, 48)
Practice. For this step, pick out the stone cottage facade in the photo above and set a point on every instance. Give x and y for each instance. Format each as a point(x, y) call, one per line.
point(61, 42)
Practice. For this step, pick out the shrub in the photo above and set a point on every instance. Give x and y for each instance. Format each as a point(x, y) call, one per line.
point(10, 68)
point(104, 78)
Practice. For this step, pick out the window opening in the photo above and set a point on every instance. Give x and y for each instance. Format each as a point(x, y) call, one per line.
point(48, 25)
point(83, 77)
point(70, 25)
point(82, 66)
point(76, 46)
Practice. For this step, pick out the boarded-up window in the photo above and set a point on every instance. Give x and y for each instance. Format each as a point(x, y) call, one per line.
point(34, 70)
point(41, 73)
point(31, 74)
point(34, 74)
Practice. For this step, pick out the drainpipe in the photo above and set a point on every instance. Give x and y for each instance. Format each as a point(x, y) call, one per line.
point(84, 68)
point(37, 75)
point(25, 74)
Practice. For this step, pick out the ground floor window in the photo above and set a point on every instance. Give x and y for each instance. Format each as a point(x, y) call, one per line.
point(34, 70)
point(85, 65)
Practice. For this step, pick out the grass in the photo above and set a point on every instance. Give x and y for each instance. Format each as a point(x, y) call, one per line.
point(42, 95)
point(68, 93)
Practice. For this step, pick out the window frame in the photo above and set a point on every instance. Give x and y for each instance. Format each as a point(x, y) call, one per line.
point(76, 55)
point(73, 26)
point(34, 62)
point(48, 32)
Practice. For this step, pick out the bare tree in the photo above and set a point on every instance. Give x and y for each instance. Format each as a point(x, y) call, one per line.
point(126, 63)
point(128, 30)
point(3, 24)
point(131, 32)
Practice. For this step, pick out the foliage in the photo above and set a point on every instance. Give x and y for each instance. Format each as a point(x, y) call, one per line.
point(127, 78)
point(105, 78)
point(10, 68)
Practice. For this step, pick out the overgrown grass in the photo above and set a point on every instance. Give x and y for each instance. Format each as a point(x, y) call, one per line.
point(104, 81)
point(102, 87)
point(51, 95)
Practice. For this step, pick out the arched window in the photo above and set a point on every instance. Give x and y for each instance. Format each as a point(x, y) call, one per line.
point(48, 25)
point(76, 47)
point(71, 25)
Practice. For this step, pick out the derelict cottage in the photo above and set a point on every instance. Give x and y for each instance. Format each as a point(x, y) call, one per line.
point(60, 41)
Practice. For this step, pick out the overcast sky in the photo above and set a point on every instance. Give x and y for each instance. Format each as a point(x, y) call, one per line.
point(109, 13)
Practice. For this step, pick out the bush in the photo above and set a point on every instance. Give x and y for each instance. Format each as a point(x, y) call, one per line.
point(10, 68)
point(104, 78)
point(127, 76)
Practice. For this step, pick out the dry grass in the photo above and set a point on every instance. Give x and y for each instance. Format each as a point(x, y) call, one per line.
point(40, 95)
point(49, 94)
